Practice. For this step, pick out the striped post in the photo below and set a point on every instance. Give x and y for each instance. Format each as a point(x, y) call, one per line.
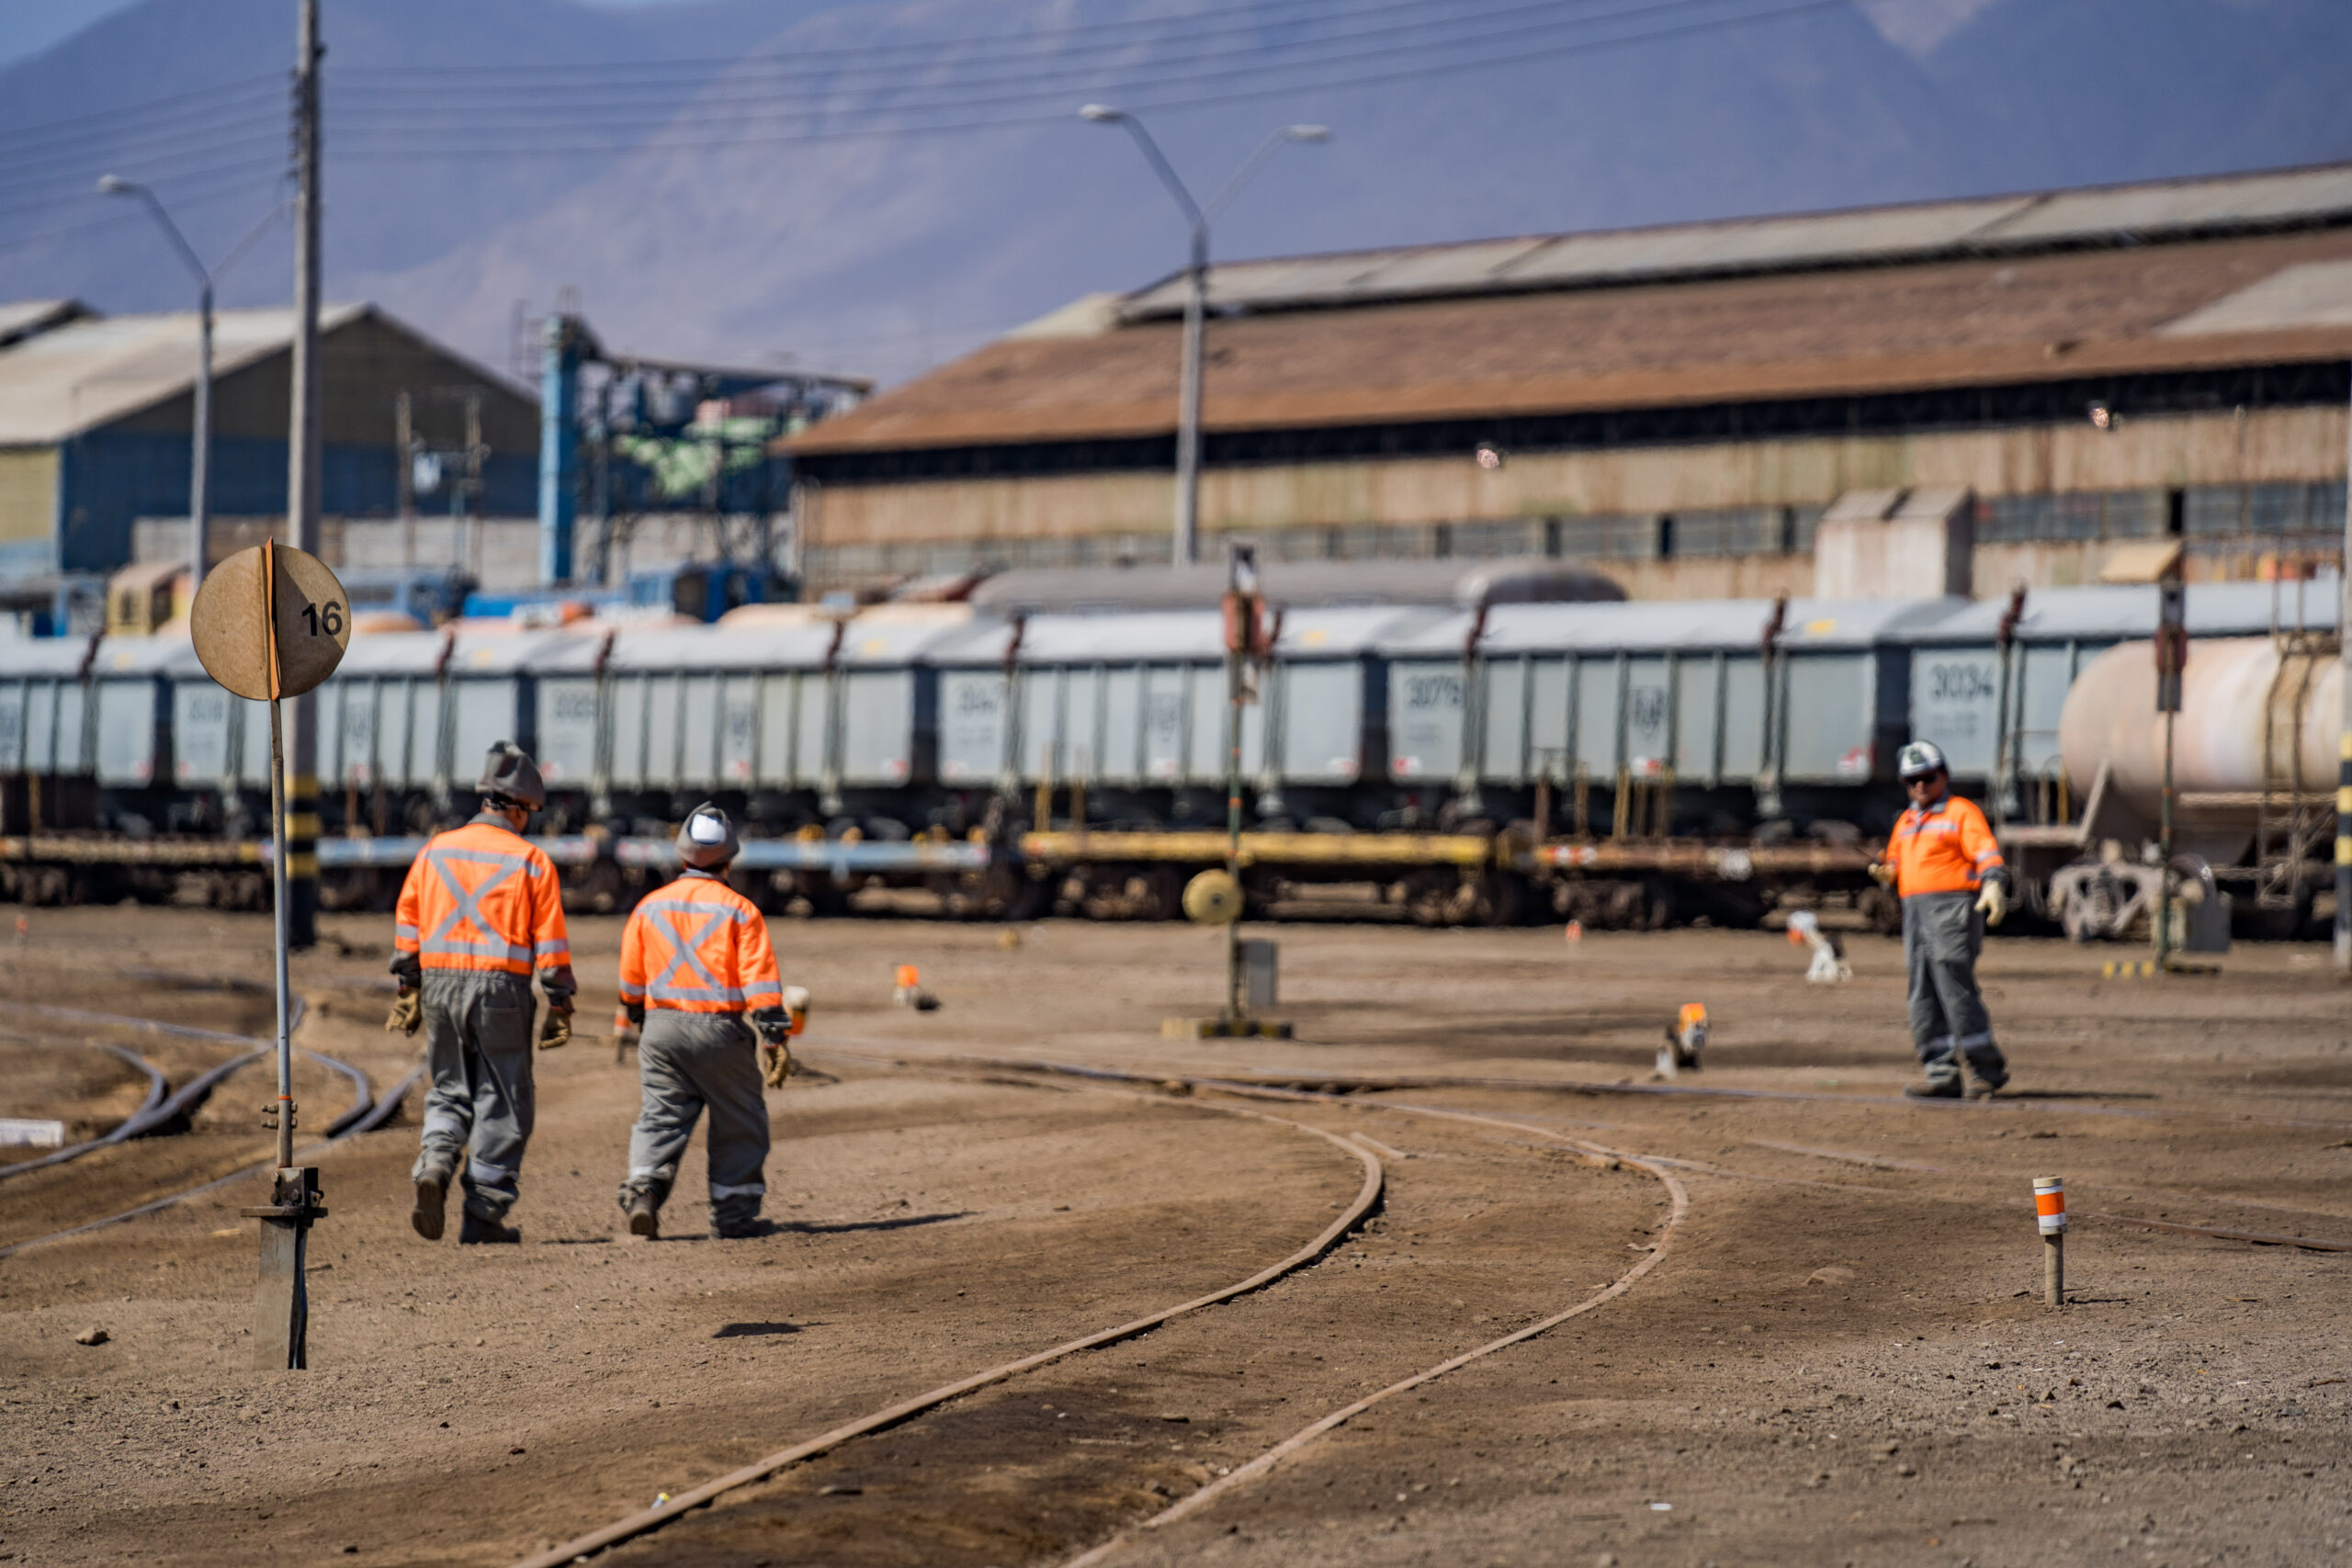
point(2050, 1219)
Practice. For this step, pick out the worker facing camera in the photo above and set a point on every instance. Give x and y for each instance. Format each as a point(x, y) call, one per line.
point(1943, 862)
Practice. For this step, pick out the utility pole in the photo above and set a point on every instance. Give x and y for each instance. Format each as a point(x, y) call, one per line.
point(302, 455)
point(1187, 547)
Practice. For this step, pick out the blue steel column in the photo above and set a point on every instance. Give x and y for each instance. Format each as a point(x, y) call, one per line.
point(559, 447)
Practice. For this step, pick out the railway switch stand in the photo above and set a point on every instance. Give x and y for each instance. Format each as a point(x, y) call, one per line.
point(272, 623)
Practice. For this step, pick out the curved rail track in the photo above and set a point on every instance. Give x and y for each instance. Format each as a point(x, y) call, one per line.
point(131, 1126)
point(1367, 1152)
point(1347, 1092)
point(367, 1111)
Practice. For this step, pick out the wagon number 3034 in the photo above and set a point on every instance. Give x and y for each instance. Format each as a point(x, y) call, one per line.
point(1961, 682)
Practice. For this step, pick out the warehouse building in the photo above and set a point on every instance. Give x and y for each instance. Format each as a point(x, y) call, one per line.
point(95, 414)
point(1946, 397)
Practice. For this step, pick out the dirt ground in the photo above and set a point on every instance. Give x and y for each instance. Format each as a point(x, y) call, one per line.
point(1840, 1355)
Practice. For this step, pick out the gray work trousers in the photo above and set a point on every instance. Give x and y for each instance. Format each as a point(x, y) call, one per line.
point(1943, 933)
point(479, 1112)
point(687, 1061)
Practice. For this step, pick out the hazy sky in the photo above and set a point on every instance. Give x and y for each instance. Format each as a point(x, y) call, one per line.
point(28, 26)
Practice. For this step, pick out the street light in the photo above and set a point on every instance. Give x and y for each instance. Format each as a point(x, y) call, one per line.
point(1188, 411)
point(200, 498)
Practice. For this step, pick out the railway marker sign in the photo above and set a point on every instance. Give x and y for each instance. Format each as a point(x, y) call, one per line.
point(269, 623)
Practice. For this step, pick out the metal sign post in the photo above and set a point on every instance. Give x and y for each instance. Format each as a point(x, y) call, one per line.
point(1240, 634)
point(1215, 898)
point(2172, 658)
point(273, 623)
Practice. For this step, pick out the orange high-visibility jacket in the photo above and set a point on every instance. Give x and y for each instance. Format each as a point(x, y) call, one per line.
point(700, 946)
point(1945, 847)
point(480, 897)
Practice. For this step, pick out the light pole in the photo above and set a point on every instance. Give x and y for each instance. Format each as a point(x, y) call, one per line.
point(199, 489)
point(1188, 408)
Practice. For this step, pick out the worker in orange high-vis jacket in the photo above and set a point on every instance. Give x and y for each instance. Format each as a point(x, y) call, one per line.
point(480, 912)
point(1944, 862)
point(711, 1016)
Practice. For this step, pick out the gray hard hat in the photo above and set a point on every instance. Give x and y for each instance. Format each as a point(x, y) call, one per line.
point(1919, 759)
point(707, 838)
point(510, 777)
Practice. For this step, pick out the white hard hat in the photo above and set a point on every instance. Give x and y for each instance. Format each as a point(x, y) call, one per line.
point(1919, 759)
point(706, 837)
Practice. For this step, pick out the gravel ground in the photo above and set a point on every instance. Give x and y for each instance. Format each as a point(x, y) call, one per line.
point(1839, 1356)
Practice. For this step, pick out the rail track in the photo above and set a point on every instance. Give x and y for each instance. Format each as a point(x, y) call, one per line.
point(366, 1111)
point(1153, 1087)
point(1291, 1088)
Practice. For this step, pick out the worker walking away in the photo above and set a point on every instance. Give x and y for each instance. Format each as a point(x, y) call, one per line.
point(480, 910)
point(1946, 867)
point(700, 991)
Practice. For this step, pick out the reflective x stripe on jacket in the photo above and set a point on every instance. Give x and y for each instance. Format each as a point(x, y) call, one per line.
point(482, 897)
point(1945, 848)
point(700, 946)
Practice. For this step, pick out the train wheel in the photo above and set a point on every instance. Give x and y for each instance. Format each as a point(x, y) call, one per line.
point(1160, 893)
point(1430, 896)
point(345, 889)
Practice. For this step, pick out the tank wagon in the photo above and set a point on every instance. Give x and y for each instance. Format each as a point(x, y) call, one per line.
point(1629, 763)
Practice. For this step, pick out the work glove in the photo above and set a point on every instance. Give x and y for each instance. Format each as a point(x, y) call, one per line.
point(1994, 900)
point(1883, 872)
point(407, 1015)
point(775, 1064)
point(625, 1030)
point(554, 1030)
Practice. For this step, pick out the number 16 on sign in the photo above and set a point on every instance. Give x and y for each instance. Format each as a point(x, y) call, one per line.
point(271, 623)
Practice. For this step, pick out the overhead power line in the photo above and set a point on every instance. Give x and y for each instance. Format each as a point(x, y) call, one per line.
point(919, 48)
point(203, 103)
point(760, 75)
point(402, 141)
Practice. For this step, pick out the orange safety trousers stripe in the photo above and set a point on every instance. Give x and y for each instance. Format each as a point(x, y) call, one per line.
point(700, 946)
point(1947, 848)
point(482, 897)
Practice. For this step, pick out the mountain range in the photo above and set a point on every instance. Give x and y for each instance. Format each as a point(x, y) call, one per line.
point(873, 187)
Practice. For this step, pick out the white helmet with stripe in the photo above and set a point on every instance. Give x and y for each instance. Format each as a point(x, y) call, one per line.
point(1919, 760)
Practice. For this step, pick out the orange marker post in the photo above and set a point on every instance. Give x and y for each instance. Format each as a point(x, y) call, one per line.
point(2050, 1218)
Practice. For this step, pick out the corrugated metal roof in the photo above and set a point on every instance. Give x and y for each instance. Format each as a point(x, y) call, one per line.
point(1990, 321)
point(23, 317)
point(58, 383)
point(2168, 210)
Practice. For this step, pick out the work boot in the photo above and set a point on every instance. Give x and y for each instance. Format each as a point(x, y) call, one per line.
point(476, 1230)
point(432, 1198)
point(741, 1230)
point(1944, 1088)
point(644, 1215)
point(1985, 1088)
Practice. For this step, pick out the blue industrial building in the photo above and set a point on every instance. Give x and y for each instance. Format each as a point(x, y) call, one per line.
point(95, 414)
